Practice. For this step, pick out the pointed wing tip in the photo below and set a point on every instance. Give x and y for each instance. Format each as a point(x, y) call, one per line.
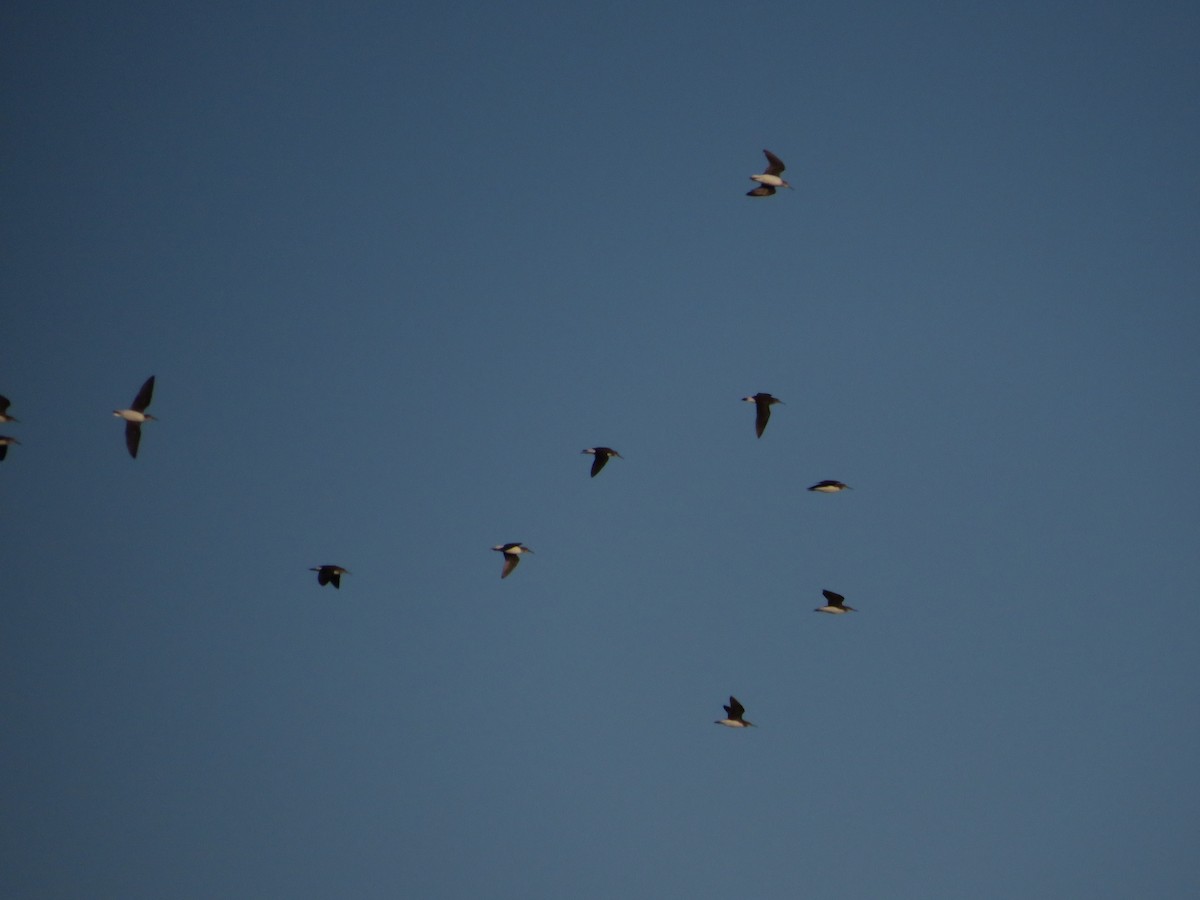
point(133, 438)
point(144, 394)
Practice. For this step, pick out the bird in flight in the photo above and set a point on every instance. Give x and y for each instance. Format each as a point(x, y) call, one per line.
point(835, 604)
point(4, 442)
point(512, 555)
point(603, 455)
point(330, 575)
point(829, 487)
point(733, 716)
point(762, 406)
point(769, 179)
point(136, 415)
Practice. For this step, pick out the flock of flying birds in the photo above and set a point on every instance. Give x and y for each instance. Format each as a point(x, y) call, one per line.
point(135, 416)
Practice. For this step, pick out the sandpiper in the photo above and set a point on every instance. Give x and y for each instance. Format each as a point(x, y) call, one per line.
point(836, 604)
point(136, 415)
point(829, 487)
point(603, 455)
point(769, 180)
point(330, 575)
point(4, 405)
point(4, 442)
point(733, 716)
point(512, 556)
point(762, 406)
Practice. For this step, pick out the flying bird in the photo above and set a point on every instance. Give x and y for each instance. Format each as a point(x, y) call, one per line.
point(330, 575)
point(4, 442)
point(136, 415)
point(836, 604)
point(769, 179)
point(733, 716)
point(603, 455)
point(829, 487)
point(512, 556)
point(762, 406)
point(4, 405)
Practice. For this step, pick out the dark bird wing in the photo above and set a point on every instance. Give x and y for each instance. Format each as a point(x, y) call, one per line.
point(133, 437)
point(834, 599)
point(510, 563)
point(735, 709)
point(763, 190)
point(335, 578)
point(599, 462)
point(142, 400)
point(775, 165)
point(4, 405)
point(762, 415)
point(3, 451)
point(322, 576)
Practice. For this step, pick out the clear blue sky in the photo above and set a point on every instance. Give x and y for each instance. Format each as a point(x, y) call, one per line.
point(395, 267)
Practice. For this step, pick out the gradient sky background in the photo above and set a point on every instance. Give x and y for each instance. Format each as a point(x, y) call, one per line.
point(395, 266)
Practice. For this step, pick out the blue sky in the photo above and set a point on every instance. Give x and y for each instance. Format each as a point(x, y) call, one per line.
point(394, 268)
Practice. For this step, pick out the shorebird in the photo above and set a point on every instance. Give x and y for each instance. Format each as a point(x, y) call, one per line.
point(762, 405)
point(603, 455)
point(4, 442)
point(512, 556)
point(769, 180)
point(136, 415)
point(4, 405)
point(330, 575)
point(733, 716)
point(830, 487)
point(836, 605)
